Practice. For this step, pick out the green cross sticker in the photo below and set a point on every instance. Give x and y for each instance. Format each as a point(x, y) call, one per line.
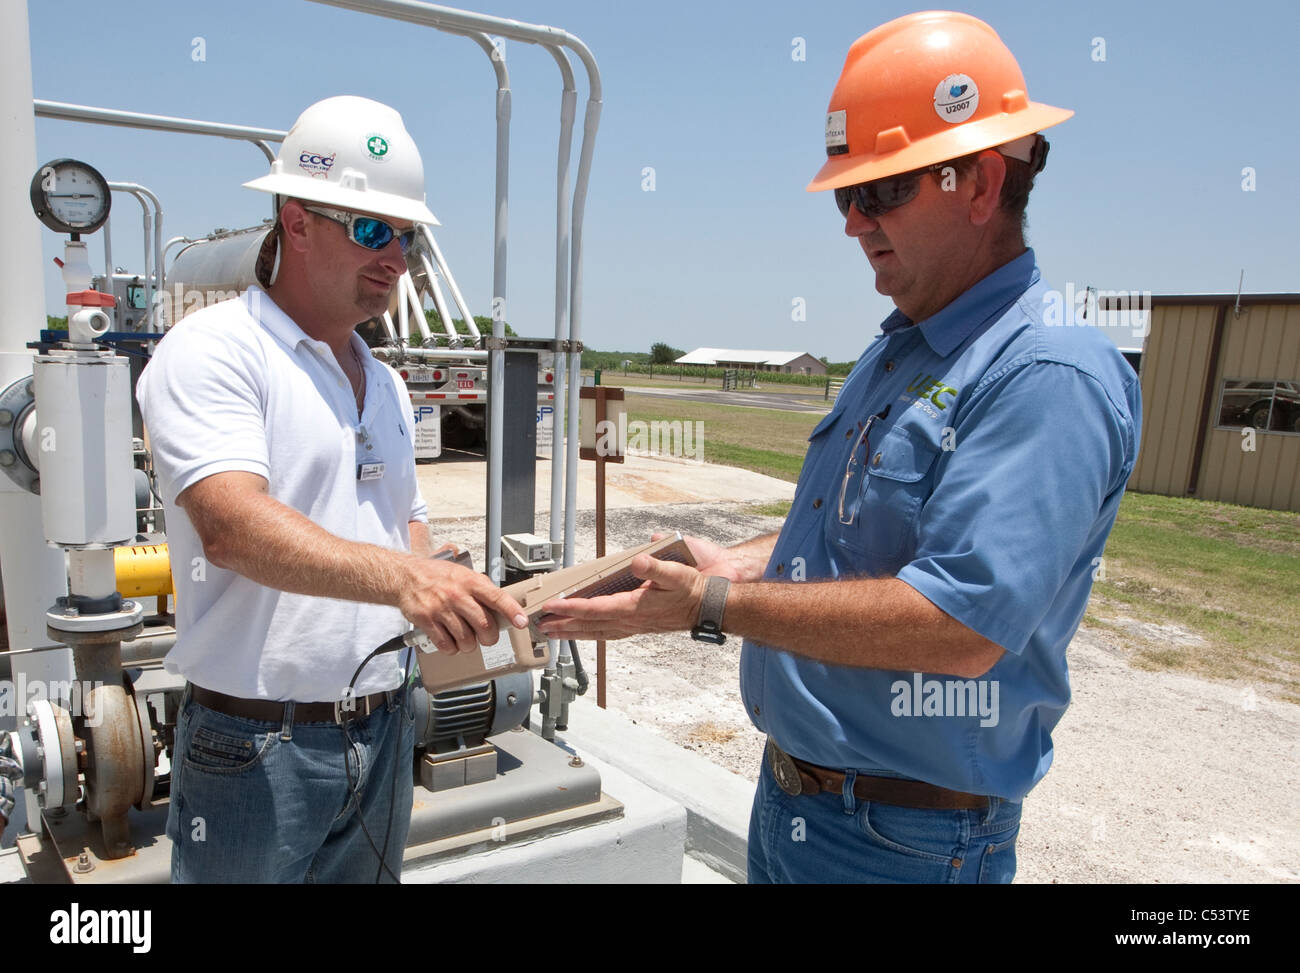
point(378, 146)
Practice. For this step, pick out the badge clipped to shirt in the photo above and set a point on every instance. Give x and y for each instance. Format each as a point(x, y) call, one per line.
point(370, 471)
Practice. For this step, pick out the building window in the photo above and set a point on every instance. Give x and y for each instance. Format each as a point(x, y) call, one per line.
point(1265, 404)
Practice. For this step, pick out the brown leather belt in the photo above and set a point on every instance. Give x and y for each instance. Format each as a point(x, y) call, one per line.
point(797, 777)
point(271, 711)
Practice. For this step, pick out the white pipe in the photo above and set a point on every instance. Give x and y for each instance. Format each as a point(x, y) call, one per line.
point(108, 254)
point(161, 123)
point(445, 271)
point(563, 243)
point(92, 573)
point(34, 573)
point(415, 307)
point(403, 316)
point(430, 354)
point(575, 305)
point(155, 282)
point(440, 303)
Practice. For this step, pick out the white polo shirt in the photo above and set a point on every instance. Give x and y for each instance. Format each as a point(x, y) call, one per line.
point(240, 387)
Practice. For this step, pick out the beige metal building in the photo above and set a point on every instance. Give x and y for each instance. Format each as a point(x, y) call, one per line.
point(1221, 399)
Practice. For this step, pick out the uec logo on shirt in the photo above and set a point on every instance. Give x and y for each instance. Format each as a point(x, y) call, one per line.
point(928, 387)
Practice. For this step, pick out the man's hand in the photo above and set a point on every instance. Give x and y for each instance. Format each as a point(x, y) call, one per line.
point(456, 607)
point(669, 601)
point(710, 558)
point(245, 530)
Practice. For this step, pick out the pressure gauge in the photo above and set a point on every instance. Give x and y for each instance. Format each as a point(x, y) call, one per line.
point(70, 196)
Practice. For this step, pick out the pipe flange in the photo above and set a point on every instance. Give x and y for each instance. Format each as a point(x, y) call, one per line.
point(118, 626)
point(16, 404)
point(59, 746)
point(147, 755)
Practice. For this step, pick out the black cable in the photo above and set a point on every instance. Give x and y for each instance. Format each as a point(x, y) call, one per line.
point(392, 645)
point(397, 769)
point(579, 672)
point(361, 818)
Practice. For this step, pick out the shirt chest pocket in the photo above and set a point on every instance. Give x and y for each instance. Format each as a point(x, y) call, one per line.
point(883, 495)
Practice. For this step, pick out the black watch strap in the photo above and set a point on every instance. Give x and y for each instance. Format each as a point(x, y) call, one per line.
point(708, 627)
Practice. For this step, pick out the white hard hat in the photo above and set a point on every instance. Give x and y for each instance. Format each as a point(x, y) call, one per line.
point(352, 153)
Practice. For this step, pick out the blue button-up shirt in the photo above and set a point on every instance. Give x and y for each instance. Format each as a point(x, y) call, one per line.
point(989, 479)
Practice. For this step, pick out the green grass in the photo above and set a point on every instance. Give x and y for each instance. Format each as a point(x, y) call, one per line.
point(763, 440)
point(1228, 574)
point(780, 508)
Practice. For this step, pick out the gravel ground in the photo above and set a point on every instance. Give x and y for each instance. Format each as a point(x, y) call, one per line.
point(1158, 777)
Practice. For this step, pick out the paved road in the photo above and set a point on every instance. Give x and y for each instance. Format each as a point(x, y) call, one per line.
point(811, 402)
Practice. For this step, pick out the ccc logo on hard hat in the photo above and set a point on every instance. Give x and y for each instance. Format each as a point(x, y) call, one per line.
point(956, 97)
point(315, 163)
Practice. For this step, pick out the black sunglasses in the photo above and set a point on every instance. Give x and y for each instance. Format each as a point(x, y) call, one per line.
point(879, 196)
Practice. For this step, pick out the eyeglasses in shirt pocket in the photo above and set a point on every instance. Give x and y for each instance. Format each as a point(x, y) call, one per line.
point(885, 495)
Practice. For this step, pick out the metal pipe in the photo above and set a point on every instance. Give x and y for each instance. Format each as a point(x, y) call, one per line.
point(144, 206)
point(439, 302)
point(175, 240)
point(445, 272)
point(591, 123)
point(159, 123)
point(416, 307)
point(108, 252)
point(147, 649)
point(403, 312)
point(559, 443)
point(497, 356)
point(432, 354)
point(266, 149)
point(157, 283)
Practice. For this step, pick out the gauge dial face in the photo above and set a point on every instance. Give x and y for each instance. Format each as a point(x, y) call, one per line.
point(70, 196)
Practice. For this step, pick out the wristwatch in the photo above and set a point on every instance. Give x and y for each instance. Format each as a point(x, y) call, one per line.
point(708, 627)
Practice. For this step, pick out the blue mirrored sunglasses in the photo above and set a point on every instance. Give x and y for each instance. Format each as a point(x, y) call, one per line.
point(366, 231)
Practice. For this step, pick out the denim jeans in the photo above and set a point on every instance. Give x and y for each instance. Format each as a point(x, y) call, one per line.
point(253, 801)
point(836, 838)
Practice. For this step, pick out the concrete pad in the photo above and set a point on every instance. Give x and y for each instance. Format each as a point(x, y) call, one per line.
point(717, 801)
point(644, 845)
point(457, 486)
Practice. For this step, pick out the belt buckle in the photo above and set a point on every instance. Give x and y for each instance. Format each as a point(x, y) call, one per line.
point(352, 711)
point(783, 770)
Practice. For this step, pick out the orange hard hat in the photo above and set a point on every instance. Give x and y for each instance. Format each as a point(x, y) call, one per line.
point(923, 89)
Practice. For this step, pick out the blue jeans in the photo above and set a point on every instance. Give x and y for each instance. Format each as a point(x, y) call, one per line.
point(836, 838)
point(253, 801)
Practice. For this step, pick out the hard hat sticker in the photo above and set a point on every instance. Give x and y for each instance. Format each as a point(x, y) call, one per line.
point(316, 164)
point(377, 146)
point(956, 97)
point(837, 138)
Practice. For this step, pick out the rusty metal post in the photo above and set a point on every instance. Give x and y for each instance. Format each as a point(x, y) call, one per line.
point(600, 538)
point(602, 394)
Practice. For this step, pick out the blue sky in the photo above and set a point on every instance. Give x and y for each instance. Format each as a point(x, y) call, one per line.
point(1143, 190)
